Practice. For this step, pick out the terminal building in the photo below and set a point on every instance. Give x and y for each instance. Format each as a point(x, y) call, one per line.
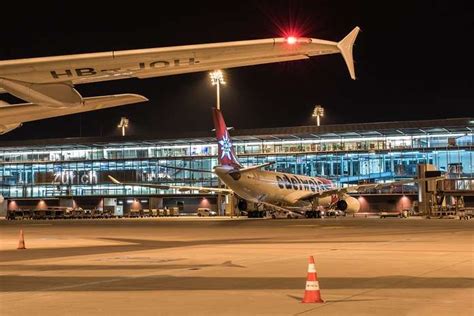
point(58, 172)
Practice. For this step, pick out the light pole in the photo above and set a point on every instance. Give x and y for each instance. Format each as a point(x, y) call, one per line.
point(217, 78)
point(123, 124)
point(318, 112)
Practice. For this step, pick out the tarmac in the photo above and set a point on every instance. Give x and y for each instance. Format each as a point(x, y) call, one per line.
point(203, 266)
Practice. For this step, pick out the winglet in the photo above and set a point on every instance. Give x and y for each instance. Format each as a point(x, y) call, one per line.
point(114, 180)
point(345, 46)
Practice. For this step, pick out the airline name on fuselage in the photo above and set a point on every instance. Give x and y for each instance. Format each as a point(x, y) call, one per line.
point(293, 182)
point(90, 71)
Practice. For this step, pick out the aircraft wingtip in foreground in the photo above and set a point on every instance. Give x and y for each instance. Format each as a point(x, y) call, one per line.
point(346, 48)
point(275, 190)
point(47, 83)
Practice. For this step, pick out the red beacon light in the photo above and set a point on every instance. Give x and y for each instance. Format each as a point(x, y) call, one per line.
point(291, 40)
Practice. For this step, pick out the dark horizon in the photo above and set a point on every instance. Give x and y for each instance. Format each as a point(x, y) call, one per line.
point(407, 65)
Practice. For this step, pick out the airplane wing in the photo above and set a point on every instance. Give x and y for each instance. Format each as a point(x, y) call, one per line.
point(49, 81)
point(13, 115)
point(263, 165)
point(276, 207)
point(362, 188)
point(185, 169)
point(181, 188)
point(290, 209)
point(154, 62)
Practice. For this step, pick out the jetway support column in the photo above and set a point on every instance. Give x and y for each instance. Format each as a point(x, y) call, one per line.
point(426, 189)
point(220, 209)
point(232, 205)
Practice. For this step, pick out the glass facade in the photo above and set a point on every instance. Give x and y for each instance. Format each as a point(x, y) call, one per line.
point(81, 169)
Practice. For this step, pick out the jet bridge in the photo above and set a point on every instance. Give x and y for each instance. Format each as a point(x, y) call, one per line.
point(445, 197)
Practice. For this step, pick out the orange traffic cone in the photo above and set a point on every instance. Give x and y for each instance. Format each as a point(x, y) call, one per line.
point(312, 293)
point(21, 243)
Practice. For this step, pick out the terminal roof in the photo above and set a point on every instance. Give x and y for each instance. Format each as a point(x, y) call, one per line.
point(336, 131)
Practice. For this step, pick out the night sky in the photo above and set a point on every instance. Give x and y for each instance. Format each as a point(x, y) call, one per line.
point(413, 61)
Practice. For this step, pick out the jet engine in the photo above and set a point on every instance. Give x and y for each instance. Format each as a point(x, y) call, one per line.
point(348, 204)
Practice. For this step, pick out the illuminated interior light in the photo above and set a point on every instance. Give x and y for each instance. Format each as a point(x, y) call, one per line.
point(72, 153)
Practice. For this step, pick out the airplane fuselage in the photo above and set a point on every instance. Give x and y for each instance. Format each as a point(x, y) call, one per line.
point(274, 187)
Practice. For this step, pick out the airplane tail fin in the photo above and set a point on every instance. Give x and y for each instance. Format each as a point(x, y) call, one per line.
point(345, 46)
point(226, 152)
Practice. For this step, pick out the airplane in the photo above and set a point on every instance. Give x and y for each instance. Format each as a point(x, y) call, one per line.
point(47, 83)
point(276, 190)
